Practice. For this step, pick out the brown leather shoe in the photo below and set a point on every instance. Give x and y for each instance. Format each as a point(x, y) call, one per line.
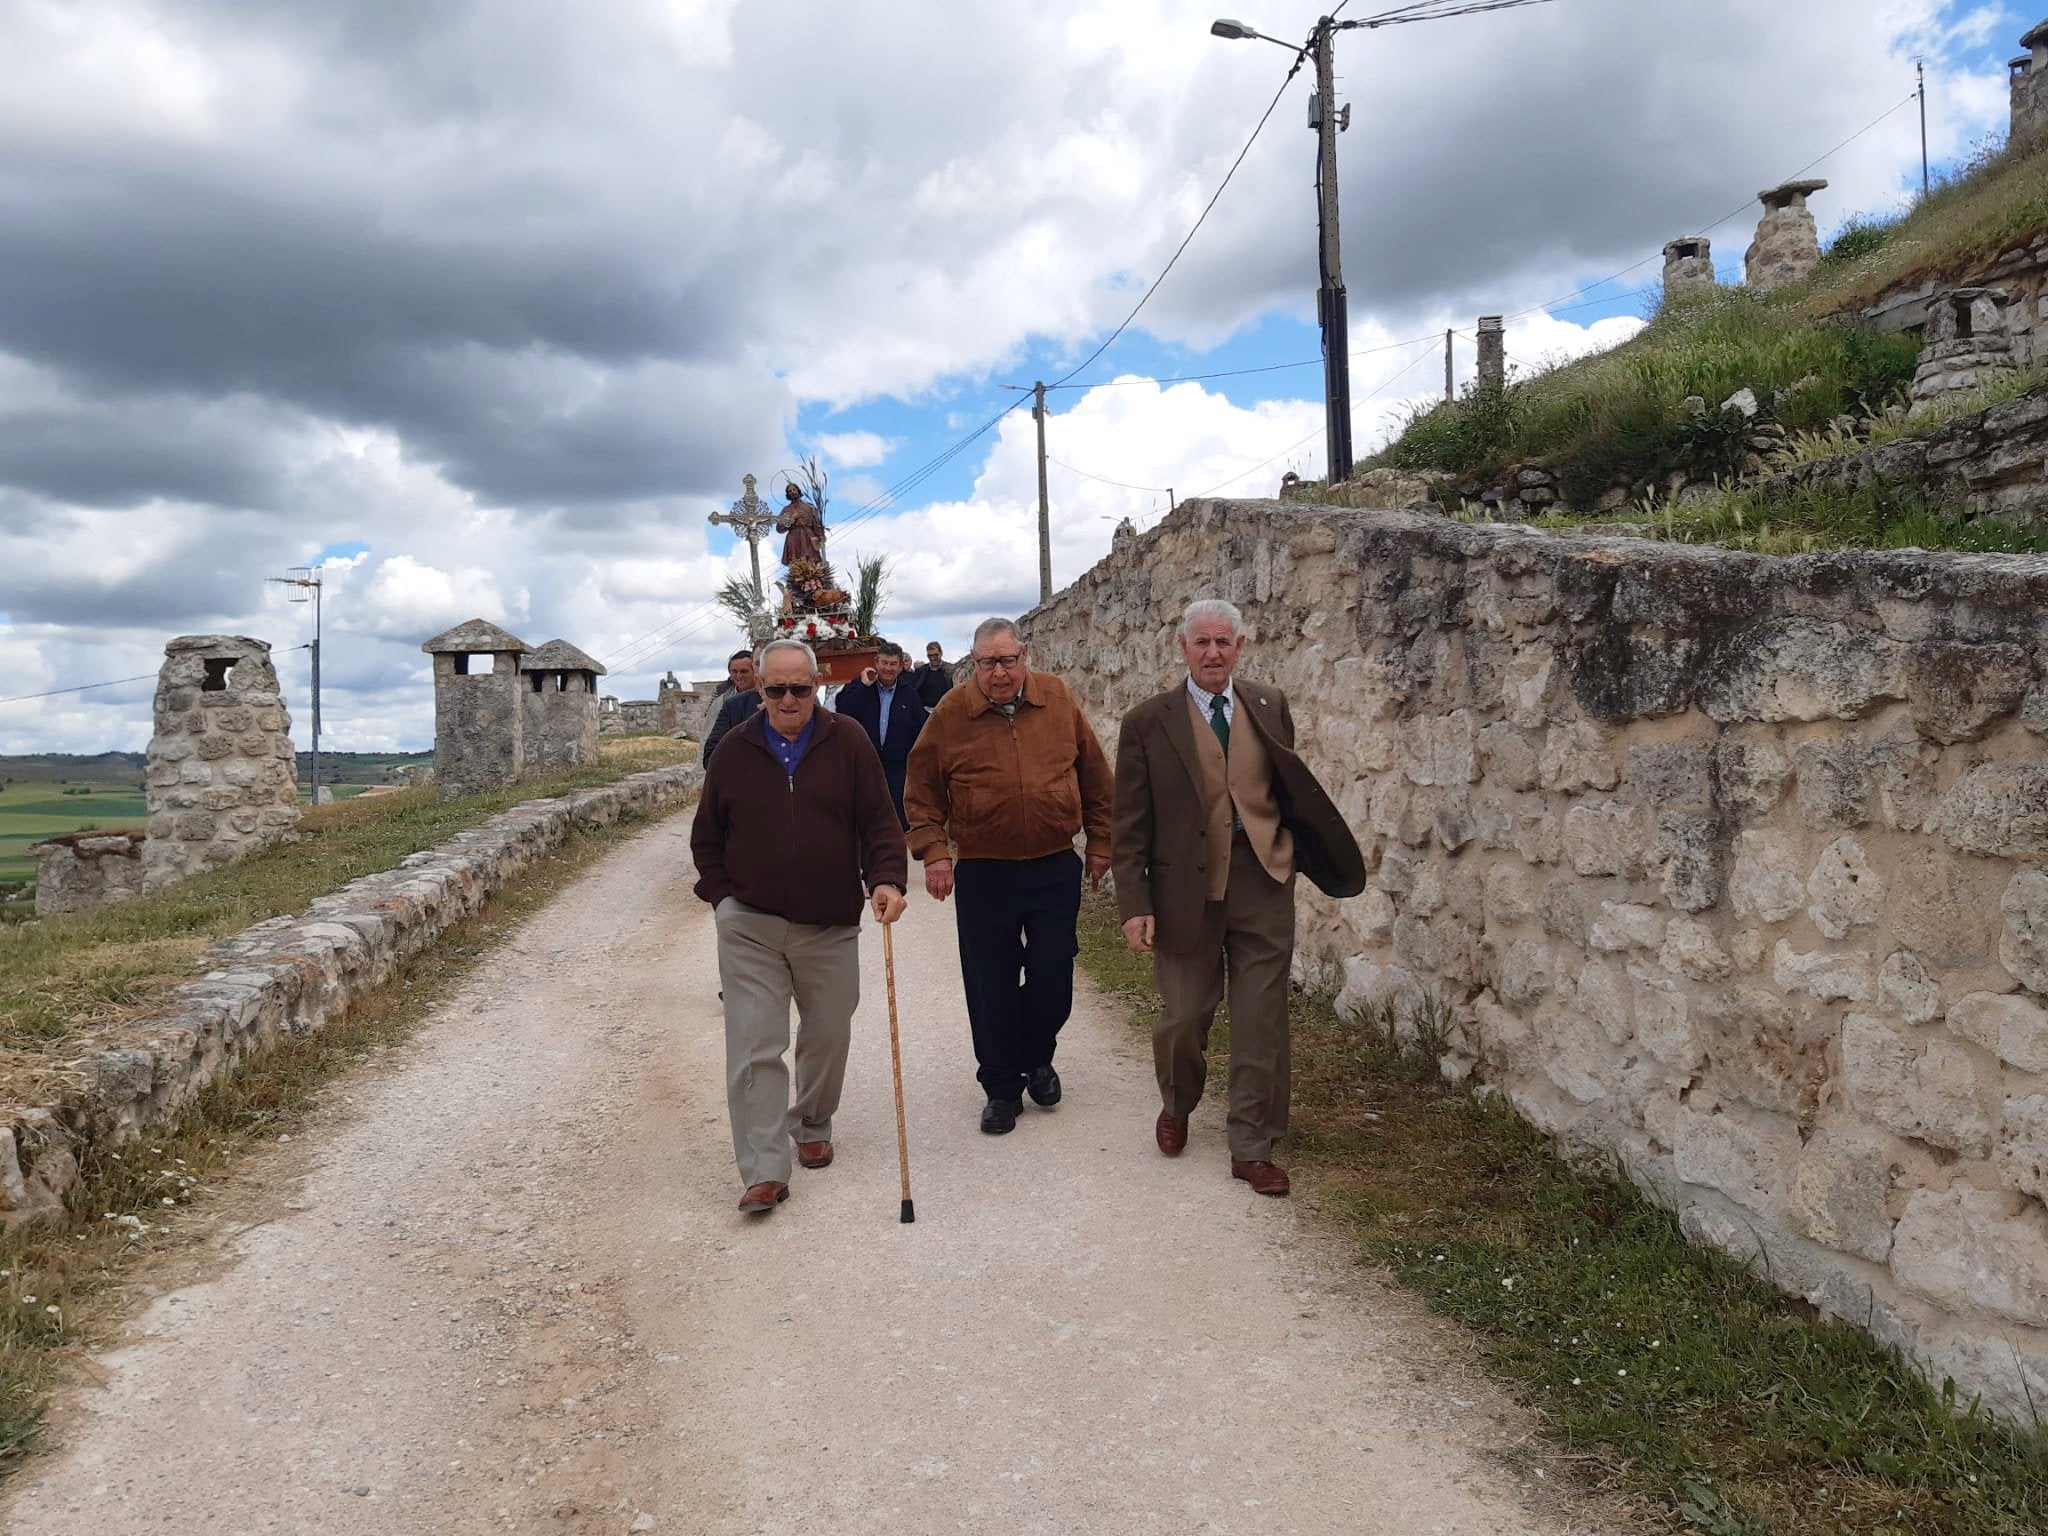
point(1171, 1132)
point(814, 1154)
point(762, 1198)
point(1264, 1178)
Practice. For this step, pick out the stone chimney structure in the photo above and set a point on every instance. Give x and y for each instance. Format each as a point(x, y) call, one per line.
point(479, 714)
point(221, 777)
point(2030, 93)
point(1493, 353)
point(1688, 266)
point(1787, 246)
point(1967, 343)
point(671, 706)
point(560, 703)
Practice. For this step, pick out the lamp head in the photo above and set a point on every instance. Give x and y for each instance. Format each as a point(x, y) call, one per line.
point(1236, 31)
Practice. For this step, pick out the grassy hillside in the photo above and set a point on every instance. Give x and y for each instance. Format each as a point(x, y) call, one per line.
point(1621, 424)
point(33, 811)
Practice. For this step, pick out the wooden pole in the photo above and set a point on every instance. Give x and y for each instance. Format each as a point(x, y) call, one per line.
point(896, 1065)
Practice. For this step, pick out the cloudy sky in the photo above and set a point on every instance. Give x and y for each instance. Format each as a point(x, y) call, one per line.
point(482, 305)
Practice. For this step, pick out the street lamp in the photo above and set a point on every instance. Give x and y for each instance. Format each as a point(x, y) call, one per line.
point(304, 584)
point(1331, 310)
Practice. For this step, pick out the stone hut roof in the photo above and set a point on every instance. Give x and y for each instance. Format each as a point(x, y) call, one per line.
point(217, 645)
point(560, 656)
point(2038, 35)
point(1786, 193)
point(473, 636)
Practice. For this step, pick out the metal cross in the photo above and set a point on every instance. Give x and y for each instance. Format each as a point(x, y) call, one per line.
point(750, 517)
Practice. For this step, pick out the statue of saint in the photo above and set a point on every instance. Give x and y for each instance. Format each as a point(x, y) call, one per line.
point(803, 527)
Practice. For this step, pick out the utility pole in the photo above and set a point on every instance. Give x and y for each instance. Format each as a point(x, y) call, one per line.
point(1920, 71)
point(304, 580)
point(1044, 506)
point(1447, 367)
point(1330, 302)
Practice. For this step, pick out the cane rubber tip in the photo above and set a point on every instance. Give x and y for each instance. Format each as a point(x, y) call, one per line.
point(909, 1213)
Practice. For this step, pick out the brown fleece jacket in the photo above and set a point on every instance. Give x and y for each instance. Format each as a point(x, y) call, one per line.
point(807, 847)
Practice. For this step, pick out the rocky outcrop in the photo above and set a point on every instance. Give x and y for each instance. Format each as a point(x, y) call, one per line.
point(83, 869)
point(1733, 868)
point(290, 976)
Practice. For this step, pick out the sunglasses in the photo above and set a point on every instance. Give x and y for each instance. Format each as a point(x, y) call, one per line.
point(993, 663)
point(783, 690)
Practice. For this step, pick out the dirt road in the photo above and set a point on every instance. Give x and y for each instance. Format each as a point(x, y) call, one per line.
point(505, 1288)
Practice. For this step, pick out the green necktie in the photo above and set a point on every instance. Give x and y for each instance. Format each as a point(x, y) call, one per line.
point(1219, 722)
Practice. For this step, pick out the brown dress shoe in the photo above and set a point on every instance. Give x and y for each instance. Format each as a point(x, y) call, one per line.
point(762, 1198)
point(814, 1154)
point(1171, 1132)
point(1264, 1178)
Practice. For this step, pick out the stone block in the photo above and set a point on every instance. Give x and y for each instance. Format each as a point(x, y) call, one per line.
point(1800, 669)
point(1998, 811)
point(1525, 687)
point(1512, 895)
point(1750, 776)
point(1564, 909)
point(1604, 838)
point(1438, 750)
point(1746, 1158)
point(1414, 944)
point(1908, 794)
point(1766, 883)
point(1602, 995)
point(1663, 1021)
point(212, 749)
point(2023, 947)
point(1673, 776)
point(1691, 949)
point(1397, 870)
point(1944, 906)
point(1938, 1092)
point(2014, 1029)
point(1956, 690)
point(1526, 977)
point(1626, 925)
point(1577, 755)
point(1371, 917)
point(1845, 892)
point(1507, 757)
point(1975, 1251)
point(1834, 784)
point(1904, 988)
point(1838, 1189)
point(1830, 975)
point(2022, 1155)
point(1689, 856)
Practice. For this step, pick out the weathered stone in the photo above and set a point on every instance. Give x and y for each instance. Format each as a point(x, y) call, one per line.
point(1766, 883)
point(2022, 1155)
point(1955, 691)
point(1626, 925)
point(1787, 247)
point(1905, 988)
point(1999, 811)
point(1508, 757)
point(1837, 1192)
point(1939, 1093)
point(1604, 838)
point(1525, 973)
point(2023, 948)
point(1688, 854)
point(1690, 949)
point(1371, 917)
point(1845, 891)
point(1414, 946)
point(1577, 755)
point(1908, 795)
point(1663, 1022)
point(1973, 1249)
point(1603, 996)
point(1796, 669)
point(2013, 1029)
point(1438, 751)
point(1512, 895)
point(1750, 775)
point(1846, 976)
point(1564, 909)
point(1834, 784)
point(1672, 775)
point(1743, 1157)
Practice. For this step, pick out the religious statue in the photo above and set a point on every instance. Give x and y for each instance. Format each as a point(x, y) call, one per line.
point(804, 528)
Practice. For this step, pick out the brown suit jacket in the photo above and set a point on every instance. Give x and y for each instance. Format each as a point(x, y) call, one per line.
point(1158, 837)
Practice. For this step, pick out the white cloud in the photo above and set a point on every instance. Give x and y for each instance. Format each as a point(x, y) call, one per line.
point(855, 450)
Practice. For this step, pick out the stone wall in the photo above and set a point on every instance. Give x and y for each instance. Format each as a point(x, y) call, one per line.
point(85, 869)
point(1733, 868)
point(221, 776)
point(287, 977)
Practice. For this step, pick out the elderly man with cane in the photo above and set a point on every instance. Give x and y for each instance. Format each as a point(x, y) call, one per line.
point(794, 830)
point(1006, 773)
point(1214, 815)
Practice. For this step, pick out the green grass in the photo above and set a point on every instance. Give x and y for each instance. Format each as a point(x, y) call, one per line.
point(1670, 1372)
point(61, 1284)
point(62, 977)
point(31, 812)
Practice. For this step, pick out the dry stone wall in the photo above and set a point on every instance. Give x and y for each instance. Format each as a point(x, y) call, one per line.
point(1733, 868)
point(289, 976)
point(83, 869)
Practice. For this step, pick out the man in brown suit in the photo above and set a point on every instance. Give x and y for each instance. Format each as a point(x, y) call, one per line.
point(1214, 816)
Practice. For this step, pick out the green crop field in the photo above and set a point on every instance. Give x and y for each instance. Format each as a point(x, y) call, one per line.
point(31, 812)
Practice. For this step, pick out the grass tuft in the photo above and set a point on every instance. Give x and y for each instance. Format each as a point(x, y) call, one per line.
point(1668, 1370)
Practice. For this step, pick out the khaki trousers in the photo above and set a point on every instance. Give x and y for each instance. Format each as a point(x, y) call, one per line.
point(1252, 951)
point(764, 962)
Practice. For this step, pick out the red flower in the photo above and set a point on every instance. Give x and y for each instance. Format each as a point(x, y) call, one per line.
point(811, 630)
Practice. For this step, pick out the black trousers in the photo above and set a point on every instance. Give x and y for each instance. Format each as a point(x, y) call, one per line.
point(1017, 945)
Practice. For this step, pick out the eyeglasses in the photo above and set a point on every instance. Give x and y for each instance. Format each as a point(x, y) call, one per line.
point(784, 690)
point(992, 663)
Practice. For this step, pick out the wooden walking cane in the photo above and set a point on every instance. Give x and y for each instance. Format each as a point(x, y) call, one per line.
point(896, 1063)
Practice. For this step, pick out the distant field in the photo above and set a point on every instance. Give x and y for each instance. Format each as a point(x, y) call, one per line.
point(31, 812)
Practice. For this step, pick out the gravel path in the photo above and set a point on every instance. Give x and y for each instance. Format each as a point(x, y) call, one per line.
point(505, 1288)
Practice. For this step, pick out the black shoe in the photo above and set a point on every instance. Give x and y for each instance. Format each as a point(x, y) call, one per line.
point(999, 1116)
point(1044, 1087)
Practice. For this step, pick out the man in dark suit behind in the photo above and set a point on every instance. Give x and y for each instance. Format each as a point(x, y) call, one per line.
point(887, 706)
point(1214, 816)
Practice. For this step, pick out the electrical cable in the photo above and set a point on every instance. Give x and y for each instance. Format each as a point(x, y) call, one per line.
point(1122, 485)
point(140, 677)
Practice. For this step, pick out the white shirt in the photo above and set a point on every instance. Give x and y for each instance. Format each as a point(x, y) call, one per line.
point(1206, 701)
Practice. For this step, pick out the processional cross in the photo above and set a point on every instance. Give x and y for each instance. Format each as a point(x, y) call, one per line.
point(750, 517)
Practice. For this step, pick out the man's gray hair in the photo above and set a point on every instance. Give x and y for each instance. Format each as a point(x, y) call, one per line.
point(988, 629)
point(785, 644)
point(1212, 608)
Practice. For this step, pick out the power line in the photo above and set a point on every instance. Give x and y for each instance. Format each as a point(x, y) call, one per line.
point(1122, 485)
point(1427, 10)
point(140, 677)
